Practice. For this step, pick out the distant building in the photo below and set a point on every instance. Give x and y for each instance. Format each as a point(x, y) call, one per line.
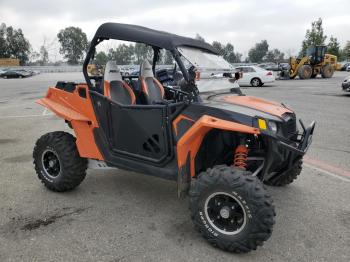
point(9, 62)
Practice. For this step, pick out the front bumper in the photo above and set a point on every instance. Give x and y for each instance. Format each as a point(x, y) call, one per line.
point(302, 143)
point(282, 153)
point(346, 86)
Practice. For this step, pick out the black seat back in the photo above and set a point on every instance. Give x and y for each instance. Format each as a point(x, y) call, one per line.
point(152, 89)
point(114, 87)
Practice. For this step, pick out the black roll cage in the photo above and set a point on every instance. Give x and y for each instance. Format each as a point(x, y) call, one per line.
point(154, 38)
point(91, 53)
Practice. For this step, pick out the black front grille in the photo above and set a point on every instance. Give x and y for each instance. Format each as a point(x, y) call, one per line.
point(290, 125)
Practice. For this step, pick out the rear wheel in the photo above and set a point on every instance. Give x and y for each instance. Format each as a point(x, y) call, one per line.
point(305, 72)
point(255, 82)
point(327, 71)
point(231, 209)
point(57, 161)
point(287, 177)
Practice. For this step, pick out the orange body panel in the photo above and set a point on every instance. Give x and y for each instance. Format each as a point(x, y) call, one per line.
point(80, 113)
point(192, 139)
point(178, 119)
point(259, 104)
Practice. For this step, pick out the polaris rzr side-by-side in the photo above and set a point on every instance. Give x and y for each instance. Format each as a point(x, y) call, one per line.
point(190, 126)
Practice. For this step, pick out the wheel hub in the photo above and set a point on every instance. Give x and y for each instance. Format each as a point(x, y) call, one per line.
point(51, 163)
point(225, 213)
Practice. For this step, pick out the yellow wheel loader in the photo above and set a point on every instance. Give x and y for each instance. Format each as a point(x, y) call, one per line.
point(315, 62)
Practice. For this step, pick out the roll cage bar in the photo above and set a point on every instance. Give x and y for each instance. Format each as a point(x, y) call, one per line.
point(156, 39)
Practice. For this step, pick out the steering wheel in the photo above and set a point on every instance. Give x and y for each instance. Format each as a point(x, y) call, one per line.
point(163, 76)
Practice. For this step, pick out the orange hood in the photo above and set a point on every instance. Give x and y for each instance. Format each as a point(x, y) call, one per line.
point(269, 107)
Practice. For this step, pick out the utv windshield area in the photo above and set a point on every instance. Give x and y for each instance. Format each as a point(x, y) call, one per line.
point(214, 73)
point(205, 61)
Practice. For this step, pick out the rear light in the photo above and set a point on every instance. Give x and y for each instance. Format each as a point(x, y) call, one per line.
point(269, 73)
point(198, 76)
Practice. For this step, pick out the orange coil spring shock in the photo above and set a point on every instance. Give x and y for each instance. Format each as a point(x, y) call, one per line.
point(240, 158)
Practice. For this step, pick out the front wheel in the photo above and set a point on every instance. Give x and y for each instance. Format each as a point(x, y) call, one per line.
point(305, 72)
point(327, 71)
point(231, 209)
point(57, 161)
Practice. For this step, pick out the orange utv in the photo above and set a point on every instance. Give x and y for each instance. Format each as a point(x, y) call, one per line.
point(189, 124)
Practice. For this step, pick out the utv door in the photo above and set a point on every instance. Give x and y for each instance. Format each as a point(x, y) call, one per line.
point(137, 131)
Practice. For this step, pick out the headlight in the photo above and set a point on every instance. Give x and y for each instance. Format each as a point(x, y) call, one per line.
point(272, 126)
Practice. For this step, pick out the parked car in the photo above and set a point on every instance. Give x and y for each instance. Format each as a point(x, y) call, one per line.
point(283, 66)
point(3, 70)
point(255, 76)
point(345, 66)
point(348, 68)
point(126, 71)
point(15, 73)
point(346, 84)
point(269, 66)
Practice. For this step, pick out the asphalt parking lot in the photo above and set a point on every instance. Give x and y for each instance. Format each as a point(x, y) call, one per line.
point(119, 216)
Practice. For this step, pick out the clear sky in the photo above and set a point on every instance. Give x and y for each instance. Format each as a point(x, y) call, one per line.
point(243, 23)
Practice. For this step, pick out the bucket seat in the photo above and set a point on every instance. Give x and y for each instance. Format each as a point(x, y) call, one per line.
point(115, 88)
point(151, 88)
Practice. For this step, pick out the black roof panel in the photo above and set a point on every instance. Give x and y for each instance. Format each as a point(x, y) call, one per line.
point(149, 36)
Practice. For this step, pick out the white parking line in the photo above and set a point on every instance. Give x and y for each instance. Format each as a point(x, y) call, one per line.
point(44, 113)
point(343, 178)
point(24, 116)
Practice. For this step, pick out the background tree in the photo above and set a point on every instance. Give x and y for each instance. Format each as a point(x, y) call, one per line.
point(333, 46)
point(123, 54)
point(227, 51)
point(315, 36)
point(141, 52)
point(167, 57)
point(44, 55)
point(346, 51)
point(3, 44)
point(274, 55)
point(258, 52)
point(17, 46)
point(230, 55)
point(34, 57)
point(73, 44)
point(218, 46)
point(199, 37)
point(101, 58)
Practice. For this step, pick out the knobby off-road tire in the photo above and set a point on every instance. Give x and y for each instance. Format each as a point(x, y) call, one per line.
point(245, 198)
point(288, 177)
point(57, 161)
point(305, 72)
